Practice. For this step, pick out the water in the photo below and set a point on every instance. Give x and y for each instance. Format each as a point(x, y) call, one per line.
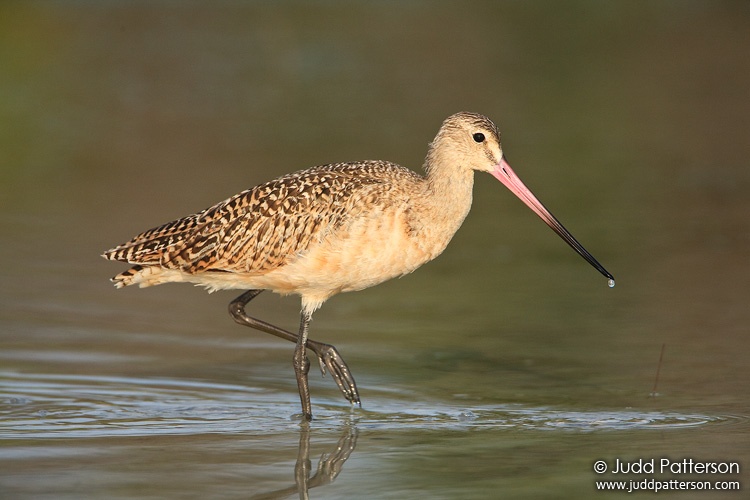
point(176, 437)
point(611, 283)
point(44, 406)
point(499, 369)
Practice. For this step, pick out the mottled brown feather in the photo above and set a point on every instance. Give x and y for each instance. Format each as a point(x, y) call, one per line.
point(266, 227)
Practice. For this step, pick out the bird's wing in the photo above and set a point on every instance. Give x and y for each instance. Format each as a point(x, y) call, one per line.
point(262, 228)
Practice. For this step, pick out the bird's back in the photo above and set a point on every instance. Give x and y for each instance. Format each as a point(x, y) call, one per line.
point(264, 228)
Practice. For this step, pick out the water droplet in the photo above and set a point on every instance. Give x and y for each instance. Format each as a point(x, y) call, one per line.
point(611, 283)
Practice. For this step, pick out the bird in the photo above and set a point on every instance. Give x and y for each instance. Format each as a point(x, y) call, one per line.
point(333, 228)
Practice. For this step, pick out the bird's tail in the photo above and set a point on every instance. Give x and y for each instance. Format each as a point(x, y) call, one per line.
point(142, 276)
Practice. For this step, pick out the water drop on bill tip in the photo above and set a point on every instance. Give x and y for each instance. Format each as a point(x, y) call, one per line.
point(611, 283)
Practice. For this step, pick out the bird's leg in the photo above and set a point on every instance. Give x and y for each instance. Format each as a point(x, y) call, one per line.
point(302, 365)
point(328, 356)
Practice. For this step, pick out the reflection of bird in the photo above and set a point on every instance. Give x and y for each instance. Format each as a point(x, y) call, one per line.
point(330, 465)
point(329, 229)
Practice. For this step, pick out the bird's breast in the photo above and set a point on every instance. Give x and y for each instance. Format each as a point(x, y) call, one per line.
point(364, 252)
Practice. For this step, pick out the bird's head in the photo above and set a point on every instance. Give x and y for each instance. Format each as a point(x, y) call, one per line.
point(467, 141)
point(470, 141)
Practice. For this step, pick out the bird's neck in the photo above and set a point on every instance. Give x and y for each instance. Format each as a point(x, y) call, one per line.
point(451, 188)
point(445, 202)
point(450, 184)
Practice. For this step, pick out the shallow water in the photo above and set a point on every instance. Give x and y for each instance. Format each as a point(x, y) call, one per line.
point(69, 436)
point(505, 368)
point(74, 406)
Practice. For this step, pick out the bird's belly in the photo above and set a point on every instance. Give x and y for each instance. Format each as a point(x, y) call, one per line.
point(365, 253)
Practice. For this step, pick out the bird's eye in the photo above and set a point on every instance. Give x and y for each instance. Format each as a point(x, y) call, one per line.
point(478, 137)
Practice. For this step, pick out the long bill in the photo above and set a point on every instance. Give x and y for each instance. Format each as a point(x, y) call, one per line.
point(505, 174)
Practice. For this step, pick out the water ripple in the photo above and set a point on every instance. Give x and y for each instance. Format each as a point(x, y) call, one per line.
point(53, 406)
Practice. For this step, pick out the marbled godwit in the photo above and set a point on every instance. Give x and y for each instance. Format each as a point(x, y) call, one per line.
point(330, 229)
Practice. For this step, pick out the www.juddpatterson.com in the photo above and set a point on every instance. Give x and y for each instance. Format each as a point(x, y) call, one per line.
point(667, 466)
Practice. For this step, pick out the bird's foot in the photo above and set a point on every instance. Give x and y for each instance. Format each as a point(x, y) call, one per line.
point(331, 361)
